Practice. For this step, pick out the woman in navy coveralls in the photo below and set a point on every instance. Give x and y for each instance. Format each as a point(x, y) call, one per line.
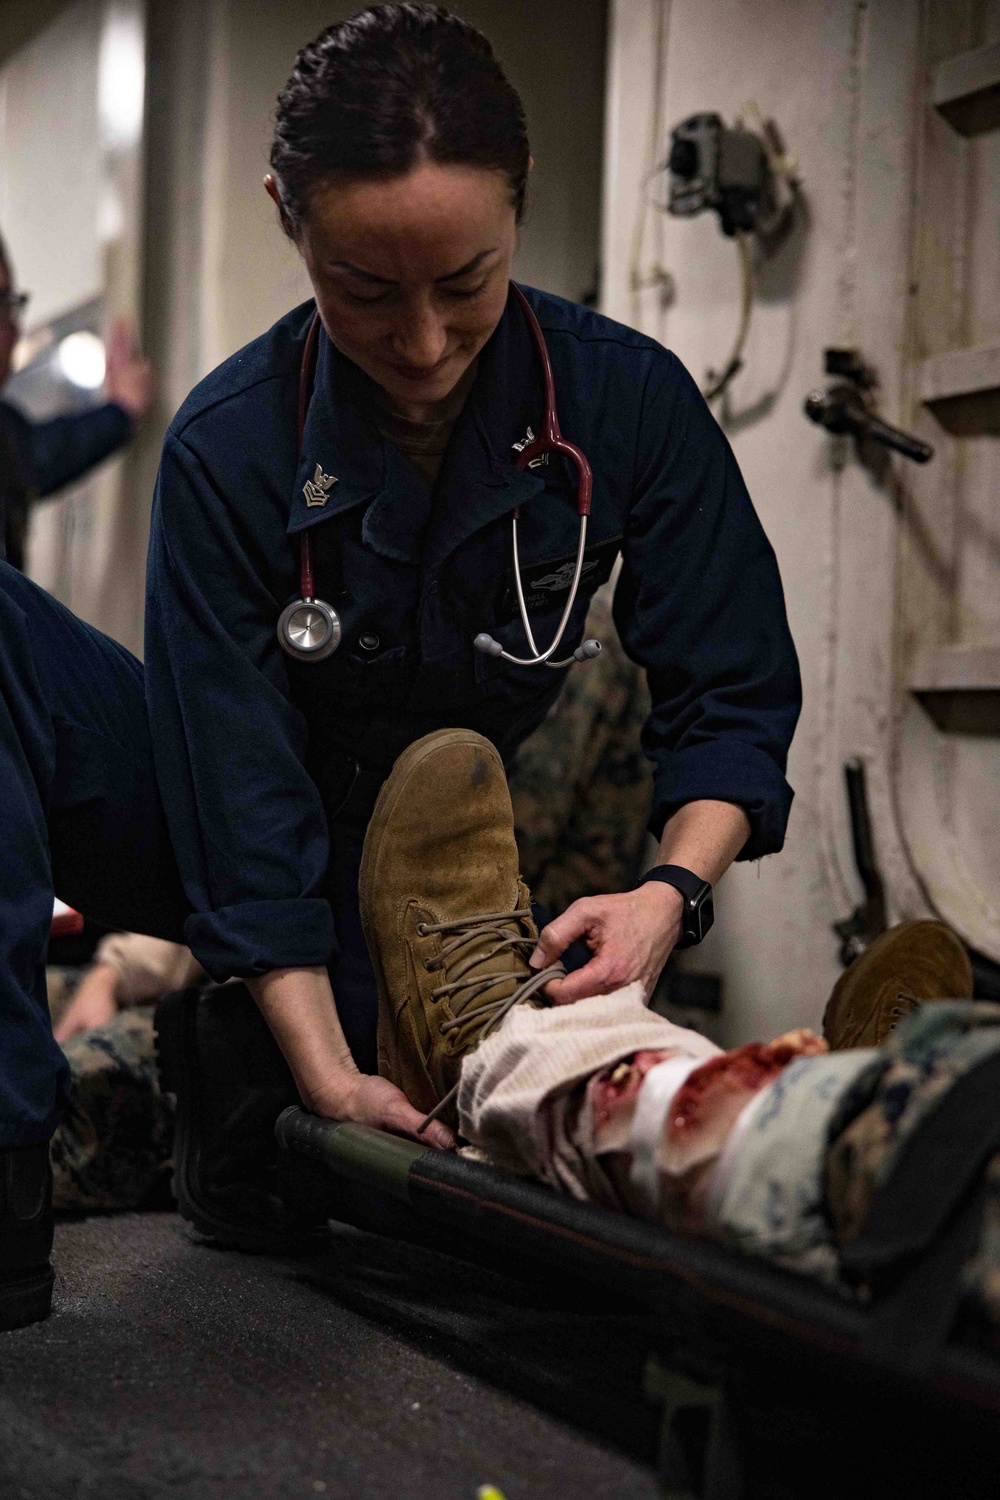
point(400, 163)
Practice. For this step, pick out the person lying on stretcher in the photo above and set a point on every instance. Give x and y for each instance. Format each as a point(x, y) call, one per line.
point(775, 1147)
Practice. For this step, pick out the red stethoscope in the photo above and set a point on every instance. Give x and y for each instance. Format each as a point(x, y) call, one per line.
point(310, 630)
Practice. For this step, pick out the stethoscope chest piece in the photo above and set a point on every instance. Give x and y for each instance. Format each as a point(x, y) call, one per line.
point(309, 629)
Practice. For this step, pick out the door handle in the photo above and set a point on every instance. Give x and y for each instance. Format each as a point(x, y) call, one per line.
point(842, 408)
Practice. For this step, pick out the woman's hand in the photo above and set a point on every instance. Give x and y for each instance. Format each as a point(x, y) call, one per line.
point(374, 1101)
point(299, 1008)
point(631, 936)
point(95, 1003)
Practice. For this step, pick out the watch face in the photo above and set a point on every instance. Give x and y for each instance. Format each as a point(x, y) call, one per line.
point(699, 914)
point(706, 913)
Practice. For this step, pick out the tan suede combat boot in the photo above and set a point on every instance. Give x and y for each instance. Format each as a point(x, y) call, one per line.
point(905, 966)
point(445, 913)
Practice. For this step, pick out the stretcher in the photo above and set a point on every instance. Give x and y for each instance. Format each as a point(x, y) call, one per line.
point(771, 1384)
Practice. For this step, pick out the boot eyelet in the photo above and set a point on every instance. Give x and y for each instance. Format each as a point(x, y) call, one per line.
point(421, 929)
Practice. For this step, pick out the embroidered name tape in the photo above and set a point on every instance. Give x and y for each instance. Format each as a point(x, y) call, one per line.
point(547, 582)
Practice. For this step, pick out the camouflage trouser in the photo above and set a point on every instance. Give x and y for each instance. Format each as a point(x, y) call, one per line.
point(112, 1149)
point(927, 1055)
point(581, 786)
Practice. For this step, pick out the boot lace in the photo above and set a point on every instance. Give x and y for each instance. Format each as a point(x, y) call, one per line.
point(473, 941)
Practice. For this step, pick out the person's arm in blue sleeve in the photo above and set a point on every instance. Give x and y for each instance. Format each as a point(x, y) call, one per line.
point(60, 451)
point(699, 604)
point(66, 448)
point(56, 453)
point(245, 817)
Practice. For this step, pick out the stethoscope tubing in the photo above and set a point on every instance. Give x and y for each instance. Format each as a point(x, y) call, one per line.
point(549, 440)
point(542, 658)
point(309, 629)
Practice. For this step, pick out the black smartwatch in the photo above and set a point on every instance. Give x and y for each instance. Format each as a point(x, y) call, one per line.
point(699, 912)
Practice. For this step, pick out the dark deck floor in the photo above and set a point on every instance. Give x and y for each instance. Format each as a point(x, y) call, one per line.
point(380, 1370)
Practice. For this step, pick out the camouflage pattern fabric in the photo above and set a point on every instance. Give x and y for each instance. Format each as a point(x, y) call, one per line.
point(112, 1149)
point(581, 787)
point(926, 1055)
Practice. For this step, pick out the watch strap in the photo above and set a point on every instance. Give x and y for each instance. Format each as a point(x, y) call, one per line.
point(698, 911)
point(686, 881)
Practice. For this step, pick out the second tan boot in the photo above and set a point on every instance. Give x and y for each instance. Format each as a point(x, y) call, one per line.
point(905, 966)
point(445, 913)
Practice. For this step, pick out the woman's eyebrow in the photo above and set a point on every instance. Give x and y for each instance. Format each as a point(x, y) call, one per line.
point(470, 266)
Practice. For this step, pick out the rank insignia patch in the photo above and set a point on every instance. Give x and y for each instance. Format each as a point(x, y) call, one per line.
point(316, 489)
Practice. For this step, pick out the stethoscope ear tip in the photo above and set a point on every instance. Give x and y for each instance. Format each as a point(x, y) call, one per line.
point(487, 645)
point(587, 650)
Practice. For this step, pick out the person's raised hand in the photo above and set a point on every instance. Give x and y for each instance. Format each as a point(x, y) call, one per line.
point(370, 1100)
point(630, 935)
point(129, 380)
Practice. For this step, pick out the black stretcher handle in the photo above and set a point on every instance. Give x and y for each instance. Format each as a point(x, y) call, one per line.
point(371, 1157)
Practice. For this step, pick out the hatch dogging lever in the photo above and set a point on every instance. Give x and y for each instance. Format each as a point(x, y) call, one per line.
point(845, 407)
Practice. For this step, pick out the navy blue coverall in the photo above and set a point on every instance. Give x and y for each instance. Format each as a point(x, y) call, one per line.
point(37, 459)
point(268, 768)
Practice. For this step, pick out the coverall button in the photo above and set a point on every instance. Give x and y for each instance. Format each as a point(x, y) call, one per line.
point(368, 641)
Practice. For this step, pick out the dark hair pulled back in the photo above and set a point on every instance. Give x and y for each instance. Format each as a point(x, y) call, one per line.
point(373, 94)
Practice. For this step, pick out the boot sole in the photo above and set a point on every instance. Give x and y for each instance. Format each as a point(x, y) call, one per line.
point(909, 938)
point(385, 804)
point(27, 1300)
point(174, 1037)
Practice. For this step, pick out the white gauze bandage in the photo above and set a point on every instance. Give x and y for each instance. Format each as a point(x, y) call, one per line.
point(725, 1163)
point(652, 1106)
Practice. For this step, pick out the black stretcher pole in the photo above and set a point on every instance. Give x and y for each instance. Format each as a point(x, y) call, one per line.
point(371, 1157)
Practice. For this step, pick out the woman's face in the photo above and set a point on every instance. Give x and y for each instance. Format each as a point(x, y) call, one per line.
point(410, 273)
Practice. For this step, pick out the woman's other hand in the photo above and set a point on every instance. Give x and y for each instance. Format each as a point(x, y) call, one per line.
point(631, 936)
point(374, 1101)
point(95, 1003)
point(299, 1008)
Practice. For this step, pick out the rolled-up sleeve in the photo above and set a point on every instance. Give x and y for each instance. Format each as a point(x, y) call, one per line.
point(245, 816)
point(699, 604)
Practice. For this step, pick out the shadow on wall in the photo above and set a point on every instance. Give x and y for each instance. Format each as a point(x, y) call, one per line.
point(892, 479)
point(778, 274)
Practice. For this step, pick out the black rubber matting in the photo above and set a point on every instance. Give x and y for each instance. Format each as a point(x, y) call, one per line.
point(172, 1370)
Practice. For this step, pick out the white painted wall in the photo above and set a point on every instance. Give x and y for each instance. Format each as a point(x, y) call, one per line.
point(71, 115)
point(839, 77)
point(51, 165)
